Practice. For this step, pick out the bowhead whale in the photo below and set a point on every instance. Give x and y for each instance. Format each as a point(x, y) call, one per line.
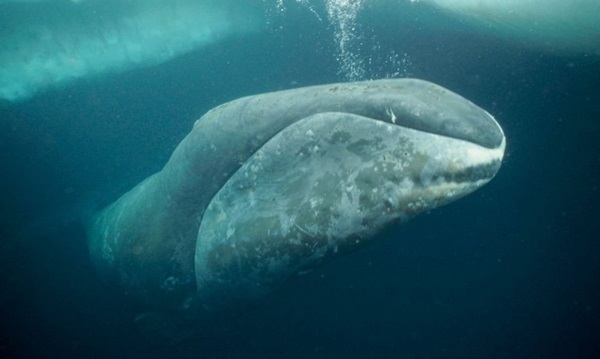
point(266, 186)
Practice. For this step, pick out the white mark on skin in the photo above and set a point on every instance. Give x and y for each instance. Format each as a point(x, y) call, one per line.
point(230, 232)
point(303, 230)
point(391, 113)
point(314, 202)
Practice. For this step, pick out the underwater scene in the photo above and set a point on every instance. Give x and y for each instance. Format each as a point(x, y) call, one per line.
point(299, 179)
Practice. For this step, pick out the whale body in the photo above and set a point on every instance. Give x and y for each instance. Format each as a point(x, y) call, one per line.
point(267, 186)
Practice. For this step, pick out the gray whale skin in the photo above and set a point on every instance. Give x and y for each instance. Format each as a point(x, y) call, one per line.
point(266, 186)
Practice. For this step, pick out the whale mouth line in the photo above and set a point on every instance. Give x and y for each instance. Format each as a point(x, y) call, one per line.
point(474, 173)
point(467, 162)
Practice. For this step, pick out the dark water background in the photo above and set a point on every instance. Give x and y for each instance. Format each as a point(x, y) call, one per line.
point(512, 271)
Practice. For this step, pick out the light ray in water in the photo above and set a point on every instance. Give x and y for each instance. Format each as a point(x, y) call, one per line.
point(560, 26)
point(48, 43)
point(45, 44)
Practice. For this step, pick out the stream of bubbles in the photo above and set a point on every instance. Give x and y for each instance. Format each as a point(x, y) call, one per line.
point(358, 57)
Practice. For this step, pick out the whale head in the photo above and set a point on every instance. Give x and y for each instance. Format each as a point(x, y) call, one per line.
point(373, 155)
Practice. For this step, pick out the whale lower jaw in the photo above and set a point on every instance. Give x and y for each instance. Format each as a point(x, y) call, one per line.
point(308, 195)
